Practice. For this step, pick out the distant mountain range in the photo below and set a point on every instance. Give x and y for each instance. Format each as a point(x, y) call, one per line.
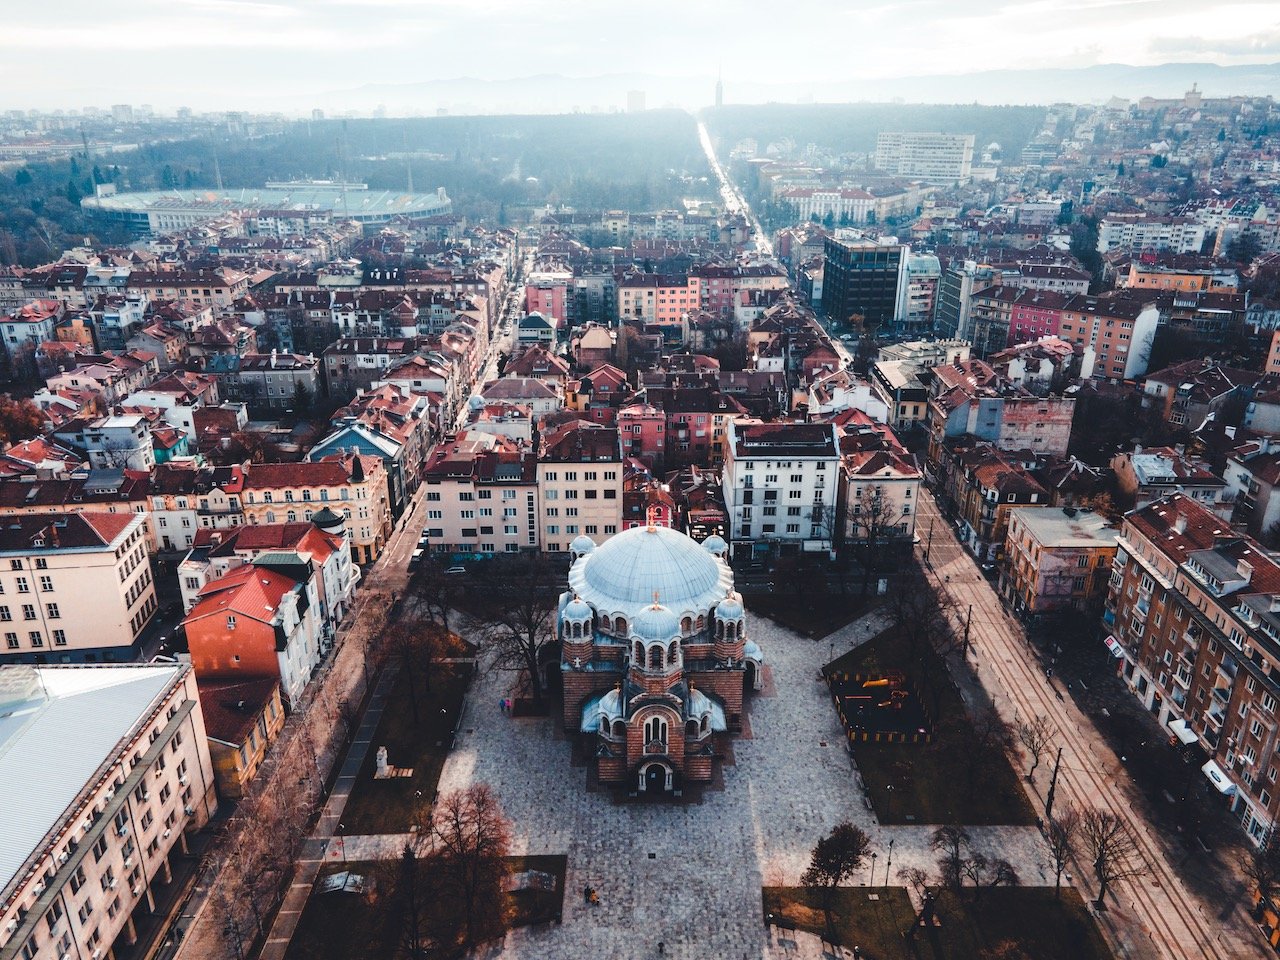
point(556, 93)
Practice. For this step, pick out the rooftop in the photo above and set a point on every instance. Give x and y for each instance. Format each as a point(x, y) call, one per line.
point(1065, 526)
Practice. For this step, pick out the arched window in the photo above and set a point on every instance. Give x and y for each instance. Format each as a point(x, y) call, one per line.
point(655, 730)
point(686, 625)
point(639, 657)
point(691, 728)
point(702, 622)
point(604, 725)
point(577, 630)
point(706, 722)
point(673, 653)
point(619, 728)
point(733, 631)
point(620, 625)
point(720, 629)
point(604, 623)
point(655, 657)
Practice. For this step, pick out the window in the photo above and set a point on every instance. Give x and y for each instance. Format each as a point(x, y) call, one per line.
point(77, 879)
point(59, 638)
point(231, 621)
point(28, 611)
point(46, 584)
point(5, 615)
point(52, 610)
point(23, 585)
point(36, 638)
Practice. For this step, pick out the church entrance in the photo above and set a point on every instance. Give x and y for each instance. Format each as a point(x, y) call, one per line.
point(656, 778)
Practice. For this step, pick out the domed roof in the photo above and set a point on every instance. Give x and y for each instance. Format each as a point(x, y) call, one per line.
point(729, 609)
point(627, 569)
point(715, 544)
point(575, 609)
point(582, 544)
point(655, 622)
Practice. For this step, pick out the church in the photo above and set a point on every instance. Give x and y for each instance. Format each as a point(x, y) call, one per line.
point(655, 657)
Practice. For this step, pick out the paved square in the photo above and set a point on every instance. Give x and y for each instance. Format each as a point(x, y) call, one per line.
point(688, 876)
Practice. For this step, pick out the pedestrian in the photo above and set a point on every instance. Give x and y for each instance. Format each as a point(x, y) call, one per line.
point(502, 705)
point(586, 894)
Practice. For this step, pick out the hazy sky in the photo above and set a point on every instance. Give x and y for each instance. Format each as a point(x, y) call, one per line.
point(278, 53)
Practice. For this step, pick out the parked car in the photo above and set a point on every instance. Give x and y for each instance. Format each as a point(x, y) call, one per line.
point(456, 570)
point(417, 557)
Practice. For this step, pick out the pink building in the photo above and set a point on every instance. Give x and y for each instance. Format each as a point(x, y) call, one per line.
point(654, 298)
point(643, 431)
point(1036, 314)
point(549, 298)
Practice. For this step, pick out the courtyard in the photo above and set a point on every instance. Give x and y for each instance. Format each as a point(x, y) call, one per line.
point(689, 876)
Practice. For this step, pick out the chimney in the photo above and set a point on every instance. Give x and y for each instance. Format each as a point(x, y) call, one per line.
point(1180, 523)
point(1245, 569)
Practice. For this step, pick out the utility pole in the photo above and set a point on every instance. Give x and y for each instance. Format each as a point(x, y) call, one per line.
point(928, 544)
point(888, 864)
point(1053, 786)
point(968, 621)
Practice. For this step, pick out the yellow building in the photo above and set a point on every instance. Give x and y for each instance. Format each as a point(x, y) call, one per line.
point(1171, 276)
point(353, 484)
point(1056, 558)
point(242, 718)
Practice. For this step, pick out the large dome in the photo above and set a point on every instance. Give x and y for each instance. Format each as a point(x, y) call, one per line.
point(628, 568)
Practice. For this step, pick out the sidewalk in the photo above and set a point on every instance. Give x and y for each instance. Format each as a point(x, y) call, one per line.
point(316, 847)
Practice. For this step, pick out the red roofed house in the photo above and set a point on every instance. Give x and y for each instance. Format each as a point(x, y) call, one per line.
point(241, 719)
point(258, 621)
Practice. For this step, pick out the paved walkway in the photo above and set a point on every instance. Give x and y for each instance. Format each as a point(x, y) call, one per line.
point(320, 843)
point(1155, 915)
point(688, 876)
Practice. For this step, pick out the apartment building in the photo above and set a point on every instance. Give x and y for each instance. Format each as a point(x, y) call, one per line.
point(934, 157)
point(1252, 478)
point(260, 620)
point(74, 587)
point(978, 485)
point(352, 485)
point(658, 298)
point(482, 497)
point(781, 482)
point(1115, 331)
point(1056, 558)
point(1149, 473)
point(880, 485)
point(91, 842)
point(185, 499)
point(1194, 615)
point(863, 277)
point(579, 476)
point(1139, 231)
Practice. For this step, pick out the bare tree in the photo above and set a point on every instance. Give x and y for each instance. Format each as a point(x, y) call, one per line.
point(986, 873)
point(1035, 736)
point(433, 590)
point(519, 618)
point(990, 733)
point(472, 838)
point(923, 617)
point(414, 644)
point(952, 844)
point(1110, 845)
point(834, 859)
point(1262, 867)
point(1062, 837)
point(916, 879)
point(873, 522)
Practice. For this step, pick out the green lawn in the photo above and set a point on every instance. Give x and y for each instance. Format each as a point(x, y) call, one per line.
point(338, 926)
point(955, 778)
point(388, 806)
point(1043, 927)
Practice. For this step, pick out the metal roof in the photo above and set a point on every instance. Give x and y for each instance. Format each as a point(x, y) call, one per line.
point(54, 740)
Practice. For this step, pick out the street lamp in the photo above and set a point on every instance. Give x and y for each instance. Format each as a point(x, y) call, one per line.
point(873, 870)
point(888, 864)
point(342, 842)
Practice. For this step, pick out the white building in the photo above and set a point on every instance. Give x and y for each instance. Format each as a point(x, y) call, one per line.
point(92, 832)
point(1137, 231)
point(780, 485)
point(74, 587)
point(938, 157)
point(118, 443)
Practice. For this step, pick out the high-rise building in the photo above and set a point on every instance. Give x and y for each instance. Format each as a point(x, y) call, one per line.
point(863, 277)
point(937, 157)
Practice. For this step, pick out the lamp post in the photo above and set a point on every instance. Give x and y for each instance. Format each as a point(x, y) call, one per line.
point(873, 870)
point(887, 865)
point(928, 544)
point(342, 842)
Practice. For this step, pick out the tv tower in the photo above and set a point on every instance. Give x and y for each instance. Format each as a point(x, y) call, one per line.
point(719, 88)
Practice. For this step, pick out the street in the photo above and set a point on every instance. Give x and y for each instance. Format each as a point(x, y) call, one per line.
point(1153, 915)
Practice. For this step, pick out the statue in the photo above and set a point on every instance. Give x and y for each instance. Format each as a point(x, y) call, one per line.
point(382, 764)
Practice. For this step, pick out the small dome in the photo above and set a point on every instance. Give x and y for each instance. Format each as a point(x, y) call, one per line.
point(575, 609)
point(715, 544)
point(582, 544)
point(655, 622)
point(729, 609)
